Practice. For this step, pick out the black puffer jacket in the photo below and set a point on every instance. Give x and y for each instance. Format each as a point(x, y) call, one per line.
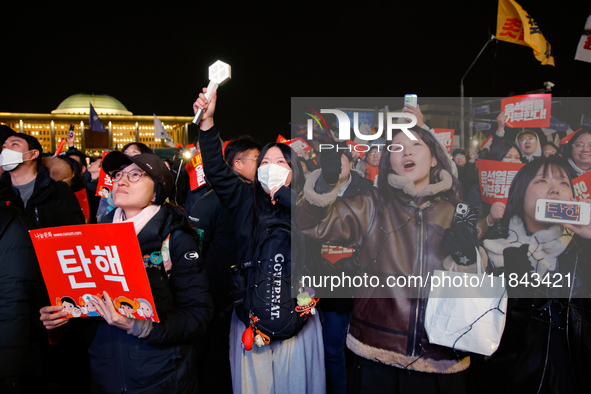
point(18, 310)
point(162, 362)
point(52, 203)
point(546, 345)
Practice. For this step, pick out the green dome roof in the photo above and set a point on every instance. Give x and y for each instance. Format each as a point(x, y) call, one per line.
point(103, 104)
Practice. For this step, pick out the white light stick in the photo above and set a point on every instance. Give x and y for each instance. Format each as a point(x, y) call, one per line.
point(219, 74)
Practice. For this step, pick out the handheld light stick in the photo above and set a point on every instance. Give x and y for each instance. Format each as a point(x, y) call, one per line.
point(219, 74)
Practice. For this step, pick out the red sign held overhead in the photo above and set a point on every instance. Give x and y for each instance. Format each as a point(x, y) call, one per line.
point(495, 179)
point(528, 110)
point(78, 262)
point(446, 136)
point(196, 173)
point(105, 185)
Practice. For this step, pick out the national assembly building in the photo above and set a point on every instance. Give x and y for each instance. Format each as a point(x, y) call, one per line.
point(121, 125)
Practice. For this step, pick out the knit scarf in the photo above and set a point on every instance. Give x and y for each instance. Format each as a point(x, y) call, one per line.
point(544, 246)
point(140, 220)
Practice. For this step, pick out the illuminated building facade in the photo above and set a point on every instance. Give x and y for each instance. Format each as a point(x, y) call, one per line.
point(123, 126)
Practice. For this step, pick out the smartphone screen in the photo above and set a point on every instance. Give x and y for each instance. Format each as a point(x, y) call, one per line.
point(562, 212)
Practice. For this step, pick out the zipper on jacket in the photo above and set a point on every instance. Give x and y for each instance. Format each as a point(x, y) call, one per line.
point(420, 258)
point(37, 217)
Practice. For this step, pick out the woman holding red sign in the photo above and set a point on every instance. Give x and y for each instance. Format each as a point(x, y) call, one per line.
point(138, 355)
point(546, 344)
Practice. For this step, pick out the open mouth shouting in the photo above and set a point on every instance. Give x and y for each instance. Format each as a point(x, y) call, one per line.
point(409, 165)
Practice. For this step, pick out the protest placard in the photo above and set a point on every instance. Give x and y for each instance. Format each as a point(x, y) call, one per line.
point(527, 110)
point(446, 136)
point(495, 178)
point(105, 184)
point(80, 261)
point(195, 170)
point(581, 185)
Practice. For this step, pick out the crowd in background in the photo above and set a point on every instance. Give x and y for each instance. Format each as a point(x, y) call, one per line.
point(389, 212)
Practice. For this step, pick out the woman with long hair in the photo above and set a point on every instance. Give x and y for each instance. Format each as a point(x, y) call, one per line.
point(290, 365)
point(400, 230)
point(546, 343)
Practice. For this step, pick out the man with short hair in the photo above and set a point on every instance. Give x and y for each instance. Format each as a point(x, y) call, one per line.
point(527, 140)
point(528, 143)
point(219, 254)
point(47, 203)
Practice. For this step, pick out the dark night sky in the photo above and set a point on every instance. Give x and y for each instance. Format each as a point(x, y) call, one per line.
point(155, 59)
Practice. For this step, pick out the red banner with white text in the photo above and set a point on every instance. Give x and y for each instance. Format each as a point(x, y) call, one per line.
point(82, 261)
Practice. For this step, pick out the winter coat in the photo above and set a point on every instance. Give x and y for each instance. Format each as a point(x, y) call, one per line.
point(162, 362)
point(52, 203)
point(359, 185)
point(18, 291)
point(219, 244)
point(238, 196)
point(546, 344)
point(401, 239)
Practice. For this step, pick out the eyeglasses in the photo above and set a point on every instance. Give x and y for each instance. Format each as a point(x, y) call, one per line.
point(132, 176)
point(375, 152)
point(459, 156)
point(581, 145)
point(527, 139)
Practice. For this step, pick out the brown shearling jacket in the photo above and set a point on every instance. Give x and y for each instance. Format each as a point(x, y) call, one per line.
point(402, 238)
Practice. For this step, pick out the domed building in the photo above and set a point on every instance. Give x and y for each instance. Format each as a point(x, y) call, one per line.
point(103, 105)
point(121, 125)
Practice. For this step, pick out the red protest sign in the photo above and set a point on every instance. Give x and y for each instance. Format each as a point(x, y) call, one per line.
point(495, 178)
point(105, 185)
point(446, 136)
point(83, 201)
point(78, 262)
point(281, 139)
point(528, 110)
point(581, 185)
point(195, 170)
point(357, 152)
point(299, 146)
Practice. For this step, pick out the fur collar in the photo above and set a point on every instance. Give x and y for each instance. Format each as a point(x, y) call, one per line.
point(407, 186)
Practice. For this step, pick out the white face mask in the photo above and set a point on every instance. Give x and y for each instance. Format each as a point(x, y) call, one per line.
point(10, 159)
point(272, 175)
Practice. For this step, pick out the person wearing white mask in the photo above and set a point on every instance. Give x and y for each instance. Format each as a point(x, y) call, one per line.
point(294, 364)
point(47, 203)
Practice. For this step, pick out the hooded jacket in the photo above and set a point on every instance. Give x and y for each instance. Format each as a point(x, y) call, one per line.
point(52, 203)
point(402, 238)
point(160, 363)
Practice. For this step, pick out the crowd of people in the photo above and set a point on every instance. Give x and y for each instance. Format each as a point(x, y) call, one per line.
point(234, 313)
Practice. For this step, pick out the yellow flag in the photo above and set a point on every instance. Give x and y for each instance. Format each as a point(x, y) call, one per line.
point(516, 26)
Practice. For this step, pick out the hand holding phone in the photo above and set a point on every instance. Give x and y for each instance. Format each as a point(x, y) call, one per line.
point(561, 211)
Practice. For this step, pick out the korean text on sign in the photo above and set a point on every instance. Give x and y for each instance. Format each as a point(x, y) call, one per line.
point(531, 110)
point(581, 186)
point(495, 180)
point(78, 262)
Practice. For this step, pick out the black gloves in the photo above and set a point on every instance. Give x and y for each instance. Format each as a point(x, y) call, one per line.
point(461, 242)
point(330, 161)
